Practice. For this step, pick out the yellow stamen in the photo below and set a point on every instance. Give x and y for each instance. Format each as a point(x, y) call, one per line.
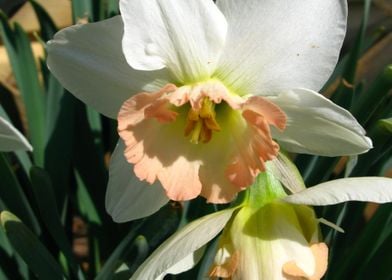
point(193, 115)
point(196, 132)
point(212, 124)
point(201, 123)
point(207, 109)
point(205, 134)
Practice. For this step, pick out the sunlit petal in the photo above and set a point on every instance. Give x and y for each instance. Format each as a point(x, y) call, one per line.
point(189, 239)
point(274, 45)
point(88, 61)
point(185, 36)
point(315, 125)
point(375, 189)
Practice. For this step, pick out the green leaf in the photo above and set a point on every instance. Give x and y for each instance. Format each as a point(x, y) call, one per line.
point(370, 101)
point(86, 205)
point(11, 265)
point(112, 8)
point(48, 28)
point(9, 109)
point(386, 125)
point(345, 93)
point(44, 195)
point(141, 248)
point(13, 196)
point(59, 148)
point(94, 120)
point(369, 243)
point(150, 230)
point(5, 244)
point(25, 70)
point(82, 9)
point(382, 142)
point(33, 252)
point(377, 264)
point(118, 255)
point(24, 160)
point(89, 159)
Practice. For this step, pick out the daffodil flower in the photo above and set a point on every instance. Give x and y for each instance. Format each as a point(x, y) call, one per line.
point(270, 236)
point(10, 138)
point(205, 94)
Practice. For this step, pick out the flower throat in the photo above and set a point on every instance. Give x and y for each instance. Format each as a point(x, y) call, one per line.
point(201, 122)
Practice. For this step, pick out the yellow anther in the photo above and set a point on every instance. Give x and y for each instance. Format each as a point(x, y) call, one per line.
point(196, 132)
point(207, 108)
point(212, 124)
point(205, 134)
point(193, 115)
point(201, 123)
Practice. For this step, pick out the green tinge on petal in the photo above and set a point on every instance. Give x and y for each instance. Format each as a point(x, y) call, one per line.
point(287, 172)
point(267, 238)
point(265, 222)
point(264, 190)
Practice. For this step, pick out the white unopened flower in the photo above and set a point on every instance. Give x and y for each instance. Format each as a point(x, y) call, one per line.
point(205, 94)
point(270, 236)
point(275, 241)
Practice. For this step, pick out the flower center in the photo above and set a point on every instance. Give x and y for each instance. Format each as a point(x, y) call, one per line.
point(200, 123)
point(152, 126)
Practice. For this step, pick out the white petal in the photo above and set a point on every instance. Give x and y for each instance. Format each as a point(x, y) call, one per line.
point(315, 125)
point(11, 139)
point(287, 173)
point(128, 198)
point(281, 44)
point(185, 264)
point(267, 240)
point(374, 189)
point(187, 240)
point(185, 36)
point(88, 61)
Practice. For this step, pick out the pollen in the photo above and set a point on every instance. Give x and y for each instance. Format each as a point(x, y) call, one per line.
point(201, 123)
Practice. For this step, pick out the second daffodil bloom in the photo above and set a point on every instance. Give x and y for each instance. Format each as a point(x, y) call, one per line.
point(269, 236)
point(205, 94)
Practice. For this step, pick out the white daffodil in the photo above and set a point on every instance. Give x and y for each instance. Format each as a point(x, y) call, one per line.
point(10, 138)
point(270, 236)
point(200, 90)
